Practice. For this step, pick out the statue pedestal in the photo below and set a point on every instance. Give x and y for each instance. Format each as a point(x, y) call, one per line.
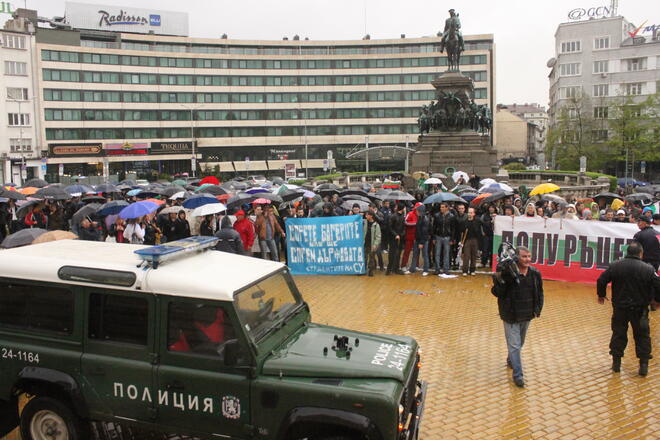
point(459, 148)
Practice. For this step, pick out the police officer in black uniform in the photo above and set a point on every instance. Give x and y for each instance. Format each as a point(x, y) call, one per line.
point(634, 285)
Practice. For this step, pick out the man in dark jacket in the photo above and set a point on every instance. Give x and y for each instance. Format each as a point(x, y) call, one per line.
point(89, 230)
point(397, 236)
point(472, 240)
point(460, 219)
point(648, 237)
point(519, 300)
point(634, 285)
point(444, 224)
point(422, 237)
point(229, 238)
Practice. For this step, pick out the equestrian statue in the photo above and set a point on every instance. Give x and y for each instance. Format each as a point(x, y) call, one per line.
point(452, 40)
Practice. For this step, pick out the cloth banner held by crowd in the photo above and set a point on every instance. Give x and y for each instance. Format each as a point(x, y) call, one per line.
point(325, 245)
point(566, 250)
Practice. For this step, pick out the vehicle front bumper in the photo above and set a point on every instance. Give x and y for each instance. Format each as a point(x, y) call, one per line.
point(412, 430)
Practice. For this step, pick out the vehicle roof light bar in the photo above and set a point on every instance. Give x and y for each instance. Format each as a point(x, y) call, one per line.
point(155, 255)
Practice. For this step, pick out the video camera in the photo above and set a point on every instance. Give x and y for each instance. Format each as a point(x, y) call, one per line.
point(507, 263)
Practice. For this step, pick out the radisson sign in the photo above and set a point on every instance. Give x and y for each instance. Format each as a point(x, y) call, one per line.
point(126, 19)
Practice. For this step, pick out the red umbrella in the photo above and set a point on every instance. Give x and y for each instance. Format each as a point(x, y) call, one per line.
point(209, 179)
point(480, 198)
point(156, 201)
point(261, 202)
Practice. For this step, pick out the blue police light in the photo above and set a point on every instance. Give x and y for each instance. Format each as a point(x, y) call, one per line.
point(155, 255)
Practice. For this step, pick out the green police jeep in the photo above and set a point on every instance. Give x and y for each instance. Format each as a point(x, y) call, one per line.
point(176, 339)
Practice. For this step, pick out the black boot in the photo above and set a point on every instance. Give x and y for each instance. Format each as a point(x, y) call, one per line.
point(616, 364)
point(643, 367)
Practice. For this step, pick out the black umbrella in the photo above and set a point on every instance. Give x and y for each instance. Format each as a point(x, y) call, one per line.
point(645, 198)
point(86, 211)
point(553, 198)
point(14, 195)
point(171, 190)
point(22, 238)
point(106, 188)
point(128, 182)
point(52, 193)
point(291, 194)
point(497, 196)
point(396, 195)
point(35, 183)
point(112, 208)
point(365, 199)
point(233, 185)
point(25, 208)
point(607, 195)
point(327, 187)
point(240, 199)
point(352, 192)
point(348, 205)
point(216, 190)
point(93, 199)
point(278, 180)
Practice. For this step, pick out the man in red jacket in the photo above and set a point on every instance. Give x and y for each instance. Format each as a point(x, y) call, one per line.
point(411, 224)
point(245, 229)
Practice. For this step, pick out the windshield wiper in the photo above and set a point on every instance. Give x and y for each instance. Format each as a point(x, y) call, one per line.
point(280, 323)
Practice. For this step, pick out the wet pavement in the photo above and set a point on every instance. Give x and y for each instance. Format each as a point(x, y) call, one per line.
point(571, 392)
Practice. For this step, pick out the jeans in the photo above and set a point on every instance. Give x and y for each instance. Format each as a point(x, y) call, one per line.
point(442, 245)
point(393, 256)
point(425, 256)
point(271, 246)
point(514, 333)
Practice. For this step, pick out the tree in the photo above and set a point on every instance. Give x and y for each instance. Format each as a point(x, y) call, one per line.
point(635, 128)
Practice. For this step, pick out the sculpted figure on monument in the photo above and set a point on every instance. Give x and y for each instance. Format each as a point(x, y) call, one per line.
point(452, 40)
point(423, 120)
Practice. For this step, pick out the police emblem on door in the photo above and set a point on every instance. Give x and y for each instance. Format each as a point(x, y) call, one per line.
point(231, 407)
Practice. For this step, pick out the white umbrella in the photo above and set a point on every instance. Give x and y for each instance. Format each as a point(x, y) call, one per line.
point(179, 195)
point(494, 187)
point(433, 181)
point(208, 209)
point(173, 209)
point(487, 181)
point(458, 174)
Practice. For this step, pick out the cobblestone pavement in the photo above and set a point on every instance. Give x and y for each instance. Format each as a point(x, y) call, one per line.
point(571, 393)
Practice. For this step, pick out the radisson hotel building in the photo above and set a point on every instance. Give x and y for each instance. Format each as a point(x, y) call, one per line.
point(126, 89)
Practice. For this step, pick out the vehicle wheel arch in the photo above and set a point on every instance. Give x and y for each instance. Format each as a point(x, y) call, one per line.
point(37, 381)
point(303, 421)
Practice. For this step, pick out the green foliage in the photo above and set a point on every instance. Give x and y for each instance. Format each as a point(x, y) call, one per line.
point(514, 166)
point(590, 174)
point(297, 181)
point(631, 125)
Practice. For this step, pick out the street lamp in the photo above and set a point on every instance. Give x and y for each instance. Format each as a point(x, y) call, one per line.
point(193, 159)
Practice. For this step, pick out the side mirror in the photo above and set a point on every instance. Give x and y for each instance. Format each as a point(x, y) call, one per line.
point(232, 352)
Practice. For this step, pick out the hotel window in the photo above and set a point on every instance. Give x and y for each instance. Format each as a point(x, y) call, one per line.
point(571, 46)
point(601, 66)
point(635, 64)
point(15, 68)
point(20, 145)
point(602, 43)
point(601, 90)
point(570, 69)
point(599, 135)
point(601, 112)
point(13, 41)
point(634, 88)
point(17, 93)
point(19, 119)
point(569, 92)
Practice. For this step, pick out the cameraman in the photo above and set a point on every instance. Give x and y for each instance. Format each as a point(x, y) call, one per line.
point(519, 291)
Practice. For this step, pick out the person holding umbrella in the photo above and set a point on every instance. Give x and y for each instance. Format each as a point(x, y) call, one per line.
point(206, 226)
point(55, 217)
point(89, 230)
point(267, 228)
point(181, 226)
point(245, 230)
point(134, 232)
point(117, 230)
point(36, 218)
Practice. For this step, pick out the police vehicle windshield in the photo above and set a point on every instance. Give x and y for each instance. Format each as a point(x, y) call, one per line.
point(266, 306)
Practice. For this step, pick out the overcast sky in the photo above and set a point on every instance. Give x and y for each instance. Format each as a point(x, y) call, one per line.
point(523, 30)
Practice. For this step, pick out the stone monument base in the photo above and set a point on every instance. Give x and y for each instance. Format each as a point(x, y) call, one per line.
point(465, 151)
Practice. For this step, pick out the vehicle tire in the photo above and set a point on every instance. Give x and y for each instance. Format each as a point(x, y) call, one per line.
point(45, 418)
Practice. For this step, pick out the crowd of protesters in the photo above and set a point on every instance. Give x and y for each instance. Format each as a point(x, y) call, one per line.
point(414, 236)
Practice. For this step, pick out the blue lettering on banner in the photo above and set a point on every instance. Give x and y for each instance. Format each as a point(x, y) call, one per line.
point(325, 245)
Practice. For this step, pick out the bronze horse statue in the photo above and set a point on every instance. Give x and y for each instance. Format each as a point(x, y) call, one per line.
point(452, 40)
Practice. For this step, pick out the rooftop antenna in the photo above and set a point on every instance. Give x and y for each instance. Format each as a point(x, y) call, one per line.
point(614, 5)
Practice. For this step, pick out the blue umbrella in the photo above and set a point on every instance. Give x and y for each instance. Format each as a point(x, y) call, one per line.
point(469, 196)
point(197, 200)
point(112, 208)
point(134, 192)
point(442, 197)
point(257, 190)
point(138, 209)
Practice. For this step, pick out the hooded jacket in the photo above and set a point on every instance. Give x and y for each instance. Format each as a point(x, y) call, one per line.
point(245, 229)
point(229, 240)
point(423, 226)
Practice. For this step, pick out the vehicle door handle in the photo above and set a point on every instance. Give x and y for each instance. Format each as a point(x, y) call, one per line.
point(175, 385)
point(97, 371)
